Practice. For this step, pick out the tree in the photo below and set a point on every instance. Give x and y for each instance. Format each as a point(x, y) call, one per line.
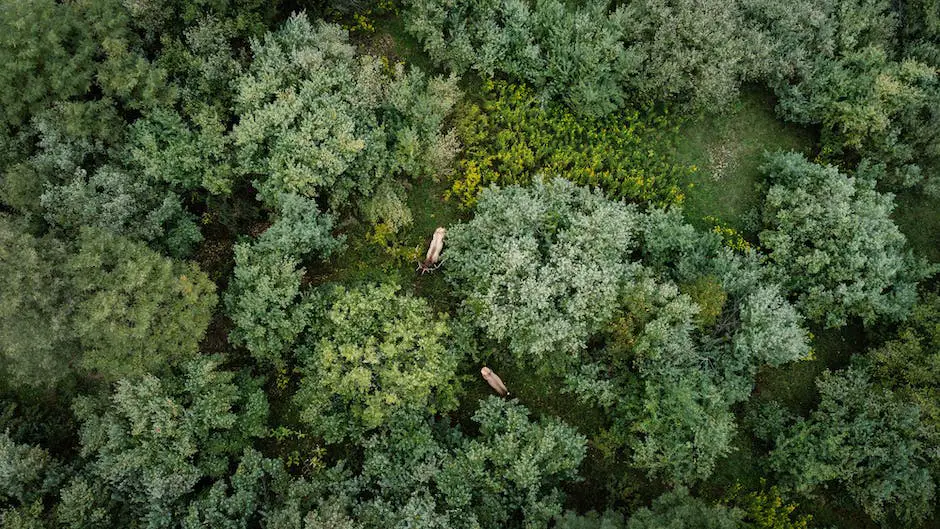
point(151, 443)
point(541, 267)
point(842, 65)
point(113, 200)
point(372, 353)
point(513, 467)
point(264, 298)
point(693, 52)
point(679, 510)
point(833, 243)
point(36, 342)
point(135, 311)
point(26, 472)
point(59, 51)
point(567, 52)
point(111, 306)
point(868, 440)
point(317, 120)
point(909, 363)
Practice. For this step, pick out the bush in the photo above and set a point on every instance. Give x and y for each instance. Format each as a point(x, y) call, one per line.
point(513, 137)
point(868, 440)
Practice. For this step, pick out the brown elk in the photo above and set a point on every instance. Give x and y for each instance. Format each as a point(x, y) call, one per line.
point(433, 260)
point(494, 381)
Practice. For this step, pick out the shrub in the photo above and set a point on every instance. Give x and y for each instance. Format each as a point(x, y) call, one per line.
point(541, 267)
point(513, 137)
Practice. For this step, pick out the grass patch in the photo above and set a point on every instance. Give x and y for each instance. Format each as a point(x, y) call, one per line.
point(727, 150)
point(367, 261)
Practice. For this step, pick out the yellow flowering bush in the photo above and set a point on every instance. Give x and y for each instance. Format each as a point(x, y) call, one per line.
point(511, 136)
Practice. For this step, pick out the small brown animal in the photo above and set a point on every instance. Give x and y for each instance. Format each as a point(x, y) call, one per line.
point(433, 260)
point(494, 381)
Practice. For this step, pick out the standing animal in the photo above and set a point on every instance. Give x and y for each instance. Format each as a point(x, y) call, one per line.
point(494, 381)
point(433, 260)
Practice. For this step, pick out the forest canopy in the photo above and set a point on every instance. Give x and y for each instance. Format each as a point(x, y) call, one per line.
point(464, 264)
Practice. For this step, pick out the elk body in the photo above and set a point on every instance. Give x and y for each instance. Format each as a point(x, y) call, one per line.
point(494, 381)
point(433, 260)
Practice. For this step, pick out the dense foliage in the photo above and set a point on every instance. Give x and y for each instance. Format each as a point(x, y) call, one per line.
point(867, 439)
point(157, 156)
point(832, 239)
point(372, 353)
point(623, 154)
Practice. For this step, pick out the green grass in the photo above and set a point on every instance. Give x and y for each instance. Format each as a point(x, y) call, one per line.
point(727, 150)
point(367, 261)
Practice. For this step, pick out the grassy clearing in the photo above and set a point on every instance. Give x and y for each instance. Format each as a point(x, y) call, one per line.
point(727, 151)
point(368, 261)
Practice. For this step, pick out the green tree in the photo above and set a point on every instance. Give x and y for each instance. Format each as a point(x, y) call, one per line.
point(909, 363)
point(112, 307)
point(264, 298)
point(512, 468)
point(693, 52)
point(154, 439)
point(318, 120)
point(834, 245)
point(135, 311)
point(679, 510)
point(35, 330)
point(541, 267)
point(26, 472)
point(868, 440)
point(372, 352)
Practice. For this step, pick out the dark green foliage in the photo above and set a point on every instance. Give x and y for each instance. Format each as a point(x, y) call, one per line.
point(846, 72)
point(35, 331)
point(58, 51)
point(695, 52)
point(373, 352)
point(264, 298)
point(909, 364)
point(46, 54)
point(26, 472)
point(679, 510)
point(593, 55)
point(514, 136)
point(112, 307)
point(570, 53)
point(166, 149)
point(834, 245)
point(868, 440)
point(169, 17)
point(513, 467)
point(112, 200)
